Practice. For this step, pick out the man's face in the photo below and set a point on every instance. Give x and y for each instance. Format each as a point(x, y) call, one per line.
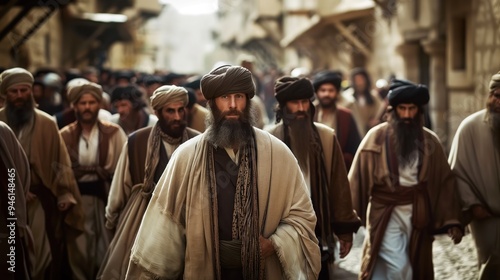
point(19, 95)
point(359, 83)
point(494, 101)
point(407, 111)
point(327, 95)
point(231, 105)
point(87, 108)
point(124, 107)
point(298, 107)
point(172, 119)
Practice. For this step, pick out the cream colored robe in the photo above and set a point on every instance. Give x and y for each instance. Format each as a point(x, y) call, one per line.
point(365, 115)
point(176, 237)
point(476, 163)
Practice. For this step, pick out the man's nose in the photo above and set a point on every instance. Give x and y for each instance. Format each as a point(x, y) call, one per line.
point(232, 102)
point(301, 107)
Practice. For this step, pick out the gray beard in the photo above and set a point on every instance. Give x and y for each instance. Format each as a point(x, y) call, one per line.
point(229, 133)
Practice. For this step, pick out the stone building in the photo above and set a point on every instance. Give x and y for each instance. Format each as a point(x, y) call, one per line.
point(72, 33)
point(453, 46)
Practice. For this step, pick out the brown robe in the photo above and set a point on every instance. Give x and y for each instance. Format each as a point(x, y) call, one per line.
point(435, 200)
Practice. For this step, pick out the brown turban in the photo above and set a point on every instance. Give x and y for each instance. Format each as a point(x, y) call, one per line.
point(495, 81)
point(168, 94)
point(227, 79)
point(77, 88)
point(293, 88)
point(14, 76)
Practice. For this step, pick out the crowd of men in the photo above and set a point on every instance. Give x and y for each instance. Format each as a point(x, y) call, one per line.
point(167, 179)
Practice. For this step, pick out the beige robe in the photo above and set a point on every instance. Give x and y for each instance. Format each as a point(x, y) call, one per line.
point(16, 162)
point(476, 163)
point(50, 169)
point(370, 173)
point(176, 236)
point(198, 114)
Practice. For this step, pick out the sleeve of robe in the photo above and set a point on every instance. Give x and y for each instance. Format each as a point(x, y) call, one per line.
point(120, 190)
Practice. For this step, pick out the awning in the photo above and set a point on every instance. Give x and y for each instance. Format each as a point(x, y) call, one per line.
point(102, 27)
point(344, 11)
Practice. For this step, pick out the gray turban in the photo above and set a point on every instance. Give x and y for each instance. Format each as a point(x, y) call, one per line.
point(402, 91)
point(14, 76)
point(168, 94)
point(495, 81)
point(227, 79)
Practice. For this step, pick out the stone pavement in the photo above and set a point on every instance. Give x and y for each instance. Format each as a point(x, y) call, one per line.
point(451, 262)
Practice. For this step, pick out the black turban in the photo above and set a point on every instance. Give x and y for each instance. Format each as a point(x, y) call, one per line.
point(292, 88)
point(325, 77)
point(131, 93)
point(225, 80)
point(402, 91)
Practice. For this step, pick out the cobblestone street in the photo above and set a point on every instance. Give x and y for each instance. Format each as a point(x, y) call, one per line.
point(454, 262)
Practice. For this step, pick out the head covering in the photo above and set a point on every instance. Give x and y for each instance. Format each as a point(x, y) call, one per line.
point(325, 77)
point(193, 82)
point(402, 91)
point(14, 76)
point(130, 93)
point(52, 80)
point(168, 94)
point(292, 88)
point(495, 81)
point(78, 87)
point(227, 79)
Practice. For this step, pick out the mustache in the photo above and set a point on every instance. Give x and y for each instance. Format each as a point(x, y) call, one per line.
point(232, 112)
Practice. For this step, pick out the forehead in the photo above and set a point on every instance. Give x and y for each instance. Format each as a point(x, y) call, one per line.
point(406, 106)
point(19, 86)
point(173, 105)
point(87, 97)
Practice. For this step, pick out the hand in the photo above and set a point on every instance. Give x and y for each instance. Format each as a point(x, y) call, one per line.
point(345, 248)
point(63, 206)
point(455, 233)
point(266, 247)
point(30, 196)
point(480, 213)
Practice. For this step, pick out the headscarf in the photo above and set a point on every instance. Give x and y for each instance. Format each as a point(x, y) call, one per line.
point(292, 88)
point(227, 79)
point(14, 76)
point(402, 91)
point(168, 94)
point(78, 87)
point(495, 81)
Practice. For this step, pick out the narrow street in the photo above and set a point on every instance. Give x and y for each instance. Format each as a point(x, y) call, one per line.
point(450, 262)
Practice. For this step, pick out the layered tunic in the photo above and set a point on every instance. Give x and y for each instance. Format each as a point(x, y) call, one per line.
point(177, 237)
point(476, 162)
point(52, 181)
point(377, 190)
point(128, 200)
point(94, 161)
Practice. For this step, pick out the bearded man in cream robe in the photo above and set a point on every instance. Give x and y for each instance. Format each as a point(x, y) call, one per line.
point(475, 159)
point(232, 202)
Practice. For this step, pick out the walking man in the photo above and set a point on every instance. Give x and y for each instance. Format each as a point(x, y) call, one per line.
point(404, 190)
point(475, 160)
point(94, 147)
point(232, 203)
point(320, 158)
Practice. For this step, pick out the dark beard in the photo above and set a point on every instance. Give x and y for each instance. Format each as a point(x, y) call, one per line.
point(167, 128)
point(230, 133)
point(331, 103)
point(406, 137)
point(300, 133)
point(494, 120)
point(80, 119)
point(18, 117)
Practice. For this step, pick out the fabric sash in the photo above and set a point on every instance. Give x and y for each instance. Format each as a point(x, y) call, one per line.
point(230, 253)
